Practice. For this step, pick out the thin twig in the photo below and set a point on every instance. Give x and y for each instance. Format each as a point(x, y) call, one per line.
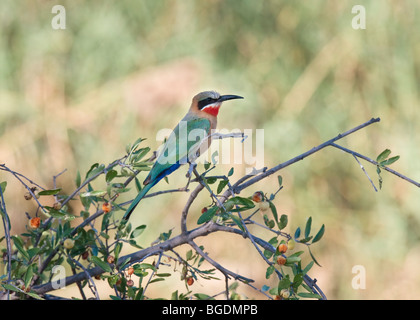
point(187, 206)
point(240, 187)
point(417, 184)
point(215, 264)
point(363, 169)
point(6, 226)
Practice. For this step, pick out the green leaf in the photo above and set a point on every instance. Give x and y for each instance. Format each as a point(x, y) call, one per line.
point(234, 286)
point(308, 267)
point(174, 295)
point(238, 221)
point(297, 281)
point(207, 165)
point(230, 172)
point(32, 252)
point(117, 250)
point(292, 260)
point(13, 288)
point(269, 223)
point(308, 227)
point(221, 185)
point(28, 276)
point(111, 174)
point(145, 266)
point(280, 178)
point(304, 240)
point(269, 271)
point(123, 264)
point(208, 215)
point(137, 231)
point(20, 247)
point(3, 186)
point(383, 155)
point(283, 222)
point(297, 233)
point(312, 256)
point(56, 214)
point(94, 170)
point(274, 211)
point(138, 184)
point(101, 264)
point(189, 255)
point(157, 280)
point(274, 291)
point(268, 253)
point(78, 180)
point(247, 203)
point(284, 283)
point(273, 241)
point(163, 275)
point(389, 161)
point(309, 295)
point(49, 192)
point(319, 235)
point(211, 180)
point(96, 193)
point(296, 254)
point(202, 296)
point(140, 154)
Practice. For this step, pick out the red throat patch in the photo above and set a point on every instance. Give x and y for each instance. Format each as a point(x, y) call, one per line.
point(214, 111)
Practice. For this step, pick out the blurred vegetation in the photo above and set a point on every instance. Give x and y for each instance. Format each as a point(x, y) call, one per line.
point(121, 70)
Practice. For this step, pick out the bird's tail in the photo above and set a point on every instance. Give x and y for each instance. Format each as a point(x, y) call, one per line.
point(136, 201)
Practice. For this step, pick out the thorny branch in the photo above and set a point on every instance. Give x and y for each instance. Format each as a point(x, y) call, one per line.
point(188, 236)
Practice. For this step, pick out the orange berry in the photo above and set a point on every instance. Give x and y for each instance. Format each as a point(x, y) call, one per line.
point(204, 210)
point(190, 281)
point(282, 248)
point(106, 207)
point(281, 260)
point(110, 259)
point(257, 196)
point(130, 271)
point(34, 223)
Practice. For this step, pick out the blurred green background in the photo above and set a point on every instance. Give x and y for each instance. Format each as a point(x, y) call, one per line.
point(125, 69)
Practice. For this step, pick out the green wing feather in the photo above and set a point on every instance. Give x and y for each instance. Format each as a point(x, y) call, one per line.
point(180, 146)
point(174, 153)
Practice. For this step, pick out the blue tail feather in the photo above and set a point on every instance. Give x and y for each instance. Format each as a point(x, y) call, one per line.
point(146, 189)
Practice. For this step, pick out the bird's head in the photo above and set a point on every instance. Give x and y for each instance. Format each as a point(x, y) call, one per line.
point(210, 102)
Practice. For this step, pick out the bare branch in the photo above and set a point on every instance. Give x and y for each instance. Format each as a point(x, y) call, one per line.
point(356, 154)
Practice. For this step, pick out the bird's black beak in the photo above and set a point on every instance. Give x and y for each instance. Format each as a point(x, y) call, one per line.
point(228, 97)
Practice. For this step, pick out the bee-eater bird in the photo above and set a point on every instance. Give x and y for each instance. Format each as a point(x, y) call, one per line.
point(186, 142)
